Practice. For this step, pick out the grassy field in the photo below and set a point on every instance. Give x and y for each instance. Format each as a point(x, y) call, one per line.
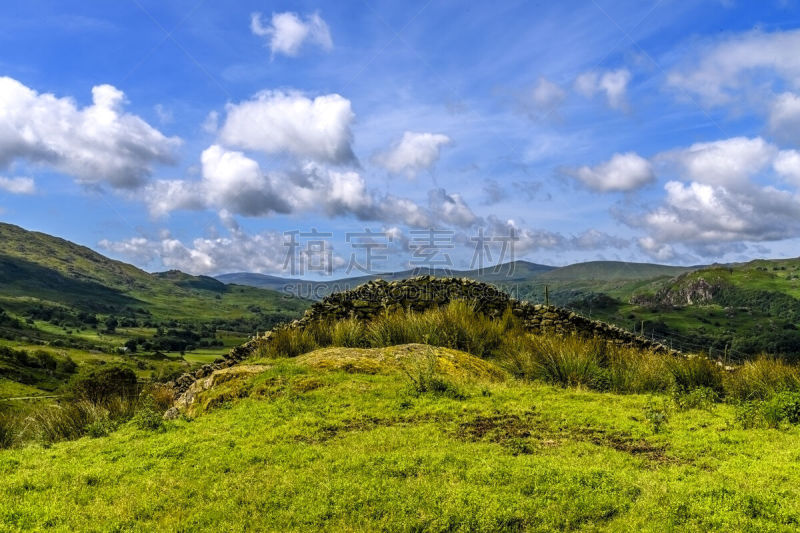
point(316, 449)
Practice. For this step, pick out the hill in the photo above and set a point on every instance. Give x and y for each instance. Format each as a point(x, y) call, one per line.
point(69, 302)
point(514, 271)
point(296, 447)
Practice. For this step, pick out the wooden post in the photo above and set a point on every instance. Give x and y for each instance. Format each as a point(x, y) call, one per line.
point(546, 295)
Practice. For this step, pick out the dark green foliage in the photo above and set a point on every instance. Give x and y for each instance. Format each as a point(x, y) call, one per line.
point(99, 385)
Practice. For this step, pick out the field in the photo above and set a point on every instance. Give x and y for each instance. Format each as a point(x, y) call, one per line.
point(308, 448)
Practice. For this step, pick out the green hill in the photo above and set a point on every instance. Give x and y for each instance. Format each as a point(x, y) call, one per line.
point(68, 301)
point(509, 272)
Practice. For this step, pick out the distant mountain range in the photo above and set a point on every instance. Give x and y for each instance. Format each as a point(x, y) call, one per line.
point(737, 309)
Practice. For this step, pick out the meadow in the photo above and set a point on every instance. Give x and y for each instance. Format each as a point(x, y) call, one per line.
point(476, 425)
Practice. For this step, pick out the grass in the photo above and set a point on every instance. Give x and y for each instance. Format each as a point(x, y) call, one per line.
point(363, 452)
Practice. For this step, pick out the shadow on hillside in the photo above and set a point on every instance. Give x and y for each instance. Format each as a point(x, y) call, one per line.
point(19, 277)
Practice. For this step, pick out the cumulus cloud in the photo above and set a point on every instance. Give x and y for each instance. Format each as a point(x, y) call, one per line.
point(277, 122)
point(623, 172)
point(542, 99)
point(784, 118)
point(413, 153)
point(237, 252)
point(729, 162)
point(787, 165)
point(287, 32)
point(97, 144)
point(233, 182)
point(702, 213)
point(451, 208)
point(17, 185)
point(722, 70)
point(612, 83)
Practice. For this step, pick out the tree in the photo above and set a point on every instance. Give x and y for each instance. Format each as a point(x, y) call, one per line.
point(111, 324)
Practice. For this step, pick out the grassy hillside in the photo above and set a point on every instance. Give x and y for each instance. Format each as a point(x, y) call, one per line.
point(302, 447)
point(69, 303)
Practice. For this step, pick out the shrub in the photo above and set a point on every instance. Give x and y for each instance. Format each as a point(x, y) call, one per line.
point(656, 415)
point(782, 407)
point(759, 379)
point(697, 398)
point(99, 385)
point(147, 419)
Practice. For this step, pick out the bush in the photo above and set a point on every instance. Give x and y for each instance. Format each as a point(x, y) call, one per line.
point(782, 407)
point(148, 419)
point(99, 385)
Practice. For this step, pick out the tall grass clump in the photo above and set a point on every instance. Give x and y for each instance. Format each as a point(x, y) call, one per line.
point(690, 373)
point(288, 342)
point(349, 333)
point(761, 378)
point(569, 361)
point(8, 430)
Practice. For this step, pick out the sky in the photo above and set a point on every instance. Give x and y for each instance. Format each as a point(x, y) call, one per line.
point(321, 139)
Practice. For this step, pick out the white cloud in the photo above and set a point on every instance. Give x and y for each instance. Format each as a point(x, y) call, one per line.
point(547, 94)
point(701, 213)
point(728, 162)
point(656, 250)
point(97, 144)
point(233, 182)
point(17, 185)
point(613, 83)
point(723, 70)
point(164, 115)
point(237, 252)
point(287, 32)
point(720, 203)
point(787, 165)
point(413, 153)
point(288, 122)
point(451, 208)
point(623, 172)
point(211, 123)
point(784, 118)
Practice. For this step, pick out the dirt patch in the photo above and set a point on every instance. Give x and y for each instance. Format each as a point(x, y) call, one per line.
point(526, 432)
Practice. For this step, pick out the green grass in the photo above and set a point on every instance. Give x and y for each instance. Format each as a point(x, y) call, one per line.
point(361, 452)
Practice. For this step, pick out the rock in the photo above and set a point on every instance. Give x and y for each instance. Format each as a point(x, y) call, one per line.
point(172, 413)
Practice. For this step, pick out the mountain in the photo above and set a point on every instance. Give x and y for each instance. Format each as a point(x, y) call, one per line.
point(509, 272)
point(40, 269)
point(611, 271)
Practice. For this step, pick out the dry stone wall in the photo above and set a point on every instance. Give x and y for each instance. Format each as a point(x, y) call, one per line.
point(426, 292)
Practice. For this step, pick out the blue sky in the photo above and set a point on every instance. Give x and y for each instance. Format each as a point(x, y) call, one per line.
point(193, 135)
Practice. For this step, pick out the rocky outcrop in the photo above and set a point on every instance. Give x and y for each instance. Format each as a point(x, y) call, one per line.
point(191, 395)
point(695, 292)
point(426, 292)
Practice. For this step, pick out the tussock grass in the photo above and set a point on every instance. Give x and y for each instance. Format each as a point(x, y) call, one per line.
point(761, 378)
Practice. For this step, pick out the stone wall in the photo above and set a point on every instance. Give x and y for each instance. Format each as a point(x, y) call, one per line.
point(426, 292)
